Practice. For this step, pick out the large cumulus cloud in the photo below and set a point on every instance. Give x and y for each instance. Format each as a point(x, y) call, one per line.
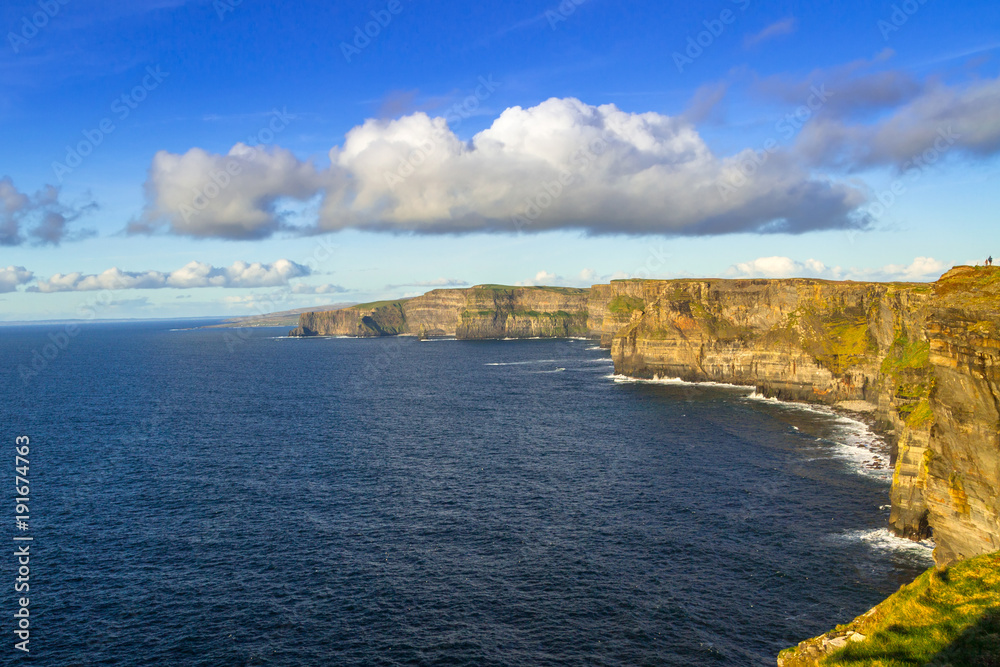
point(561, 164)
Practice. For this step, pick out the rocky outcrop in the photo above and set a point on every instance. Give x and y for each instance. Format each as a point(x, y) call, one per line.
point(481, 312)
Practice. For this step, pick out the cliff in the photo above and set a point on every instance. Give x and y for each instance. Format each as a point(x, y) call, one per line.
point(481, 312)
point(922, 359)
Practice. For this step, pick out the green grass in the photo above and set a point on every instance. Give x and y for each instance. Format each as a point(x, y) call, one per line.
point(921, 415)
point(906, 354)
point(625, 305)
point(837, 340)
point(374, 305)
point(949, 617)
point(511, 288)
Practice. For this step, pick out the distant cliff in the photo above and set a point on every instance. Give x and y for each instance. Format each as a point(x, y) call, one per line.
point(923, 359)
point(481, 312)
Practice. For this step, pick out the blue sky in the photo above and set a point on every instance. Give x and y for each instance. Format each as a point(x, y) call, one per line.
point(461, 143)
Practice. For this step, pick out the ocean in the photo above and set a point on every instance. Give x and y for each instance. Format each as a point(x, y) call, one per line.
point(217, 497)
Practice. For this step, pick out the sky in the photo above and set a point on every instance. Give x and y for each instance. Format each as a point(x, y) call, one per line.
point(174, 158)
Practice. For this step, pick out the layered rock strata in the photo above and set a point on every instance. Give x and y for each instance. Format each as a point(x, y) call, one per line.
point(481, 312)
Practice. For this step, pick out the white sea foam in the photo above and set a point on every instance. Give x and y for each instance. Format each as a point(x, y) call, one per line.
point(595, 347)
point(656, 379)
point(855, 440)
point(437, 340)
point(791, 405)
point(883, 540)
point(522, 363)
point(556, 370)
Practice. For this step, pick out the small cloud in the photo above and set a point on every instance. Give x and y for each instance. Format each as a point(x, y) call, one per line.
point(14, 276)
point(440, 282)
point(398, 103)
point(41, 218)
point(585, 278)
point(129, 304)
point(319, 289)
point(777, 29)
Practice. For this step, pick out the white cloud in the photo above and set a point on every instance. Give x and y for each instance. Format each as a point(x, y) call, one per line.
point(921, 269)
point(14, 276)
point(561, 164)
point(319, 289)
point(43, 216)
point(192, 275)
point(232, 196)
point(939, 119)
point(782, 267)
point(438, 282)
point(585, 278)
point(778, 29)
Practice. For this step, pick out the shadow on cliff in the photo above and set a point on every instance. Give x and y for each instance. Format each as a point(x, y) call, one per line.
point(978, 646)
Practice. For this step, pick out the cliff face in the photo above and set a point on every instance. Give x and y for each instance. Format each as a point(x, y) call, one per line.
point(924, 359)
point(481, 312)
point(385, 318)
point(963, 452)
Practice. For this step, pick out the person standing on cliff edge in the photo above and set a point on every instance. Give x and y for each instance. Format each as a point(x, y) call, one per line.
point(989, 261)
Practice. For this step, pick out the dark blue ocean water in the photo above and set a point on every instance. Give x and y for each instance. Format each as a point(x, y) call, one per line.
point(203, 498)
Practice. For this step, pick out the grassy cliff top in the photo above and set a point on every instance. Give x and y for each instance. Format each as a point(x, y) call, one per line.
point(949, 617)
point(969, 286)
point(559, 290)
point(378, 304)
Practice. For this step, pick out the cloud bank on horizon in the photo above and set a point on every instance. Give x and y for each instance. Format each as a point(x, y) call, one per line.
point(191, 276)
point(922, 269)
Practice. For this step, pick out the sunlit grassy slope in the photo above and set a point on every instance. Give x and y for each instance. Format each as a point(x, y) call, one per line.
point(949, 617)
